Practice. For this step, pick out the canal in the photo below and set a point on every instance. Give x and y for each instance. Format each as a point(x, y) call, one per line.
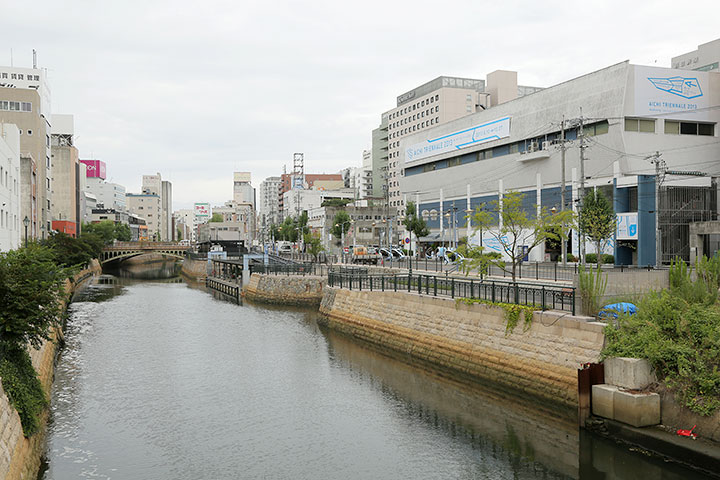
point(160, 380)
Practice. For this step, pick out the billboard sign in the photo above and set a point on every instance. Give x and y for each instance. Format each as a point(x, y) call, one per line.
point(627, 226)
point(662, 91)
point(485, 132)
point(202, 210)
point(95, 168)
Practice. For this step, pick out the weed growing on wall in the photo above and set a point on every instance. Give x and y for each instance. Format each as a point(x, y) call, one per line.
point(678, 331)
point(22, 386)
point(512, 312)
point(592, 289)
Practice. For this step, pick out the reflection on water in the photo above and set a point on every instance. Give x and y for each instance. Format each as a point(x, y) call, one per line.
point(160, 380)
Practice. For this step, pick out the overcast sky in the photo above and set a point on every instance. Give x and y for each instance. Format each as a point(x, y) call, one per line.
point(197, 90)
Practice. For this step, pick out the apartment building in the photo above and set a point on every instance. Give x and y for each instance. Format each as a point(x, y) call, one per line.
point(66, 172)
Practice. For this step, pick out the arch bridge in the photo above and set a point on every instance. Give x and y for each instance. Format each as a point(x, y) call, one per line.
point(123, 250)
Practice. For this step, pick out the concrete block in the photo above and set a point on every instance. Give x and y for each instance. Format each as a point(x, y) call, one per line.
point(630, 373)
point(603, 400)
point(637, 409)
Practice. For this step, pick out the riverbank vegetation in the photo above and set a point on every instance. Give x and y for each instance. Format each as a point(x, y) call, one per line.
point(678, 331)
point(31, 293)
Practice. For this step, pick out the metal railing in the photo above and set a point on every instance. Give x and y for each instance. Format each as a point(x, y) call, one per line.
point(542, 297)
point(291, 269)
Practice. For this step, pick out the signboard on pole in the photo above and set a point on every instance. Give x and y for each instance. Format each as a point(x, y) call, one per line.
point(202, 210)
point(627, 226)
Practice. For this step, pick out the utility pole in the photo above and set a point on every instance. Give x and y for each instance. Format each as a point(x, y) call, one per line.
point(658, 239)
point(563, 246)
point(582, 186)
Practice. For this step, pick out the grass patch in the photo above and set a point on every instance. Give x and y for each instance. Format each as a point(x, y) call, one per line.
point(22, 386)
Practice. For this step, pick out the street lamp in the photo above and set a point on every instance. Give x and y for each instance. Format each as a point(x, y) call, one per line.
point(342, 235)
point(26, 222)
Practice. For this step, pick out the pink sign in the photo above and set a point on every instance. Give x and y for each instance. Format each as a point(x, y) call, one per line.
point(95, 168)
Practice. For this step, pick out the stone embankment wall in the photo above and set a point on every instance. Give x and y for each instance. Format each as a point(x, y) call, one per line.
point(194, 269)
point(285, 289)
point(20, 457)
point(471, 339)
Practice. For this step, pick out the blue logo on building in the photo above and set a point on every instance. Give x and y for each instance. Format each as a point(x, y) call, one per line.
point(632, 230)
point(680, 86)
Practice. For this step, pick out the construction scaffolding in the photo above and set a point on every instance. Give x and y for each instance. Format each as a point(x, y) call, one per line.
point(678, 207)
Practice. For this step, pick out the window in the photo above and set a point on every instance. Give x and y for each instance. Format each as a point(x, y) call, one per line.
point(689, 128)
point(513, 148)
point(484, 155)
point(14, 106)
point(4, 105)
point(429, 167)
point(603, 127)
point(644, 125)
point(26, 107)
point(453, 162)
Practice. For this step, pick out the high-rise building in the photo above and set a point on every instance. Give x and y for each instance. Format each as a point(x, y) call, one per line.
point(149, 207)
point(268, 204)
point(243, 191)
point(25, 102)
point(155, 185)
point(436, 102)
point(11, 224)
point(66, 192)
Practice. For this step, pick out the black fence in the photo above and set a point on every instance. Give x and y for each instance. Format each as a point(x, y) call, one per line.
point(540, 296)
point(290, 269)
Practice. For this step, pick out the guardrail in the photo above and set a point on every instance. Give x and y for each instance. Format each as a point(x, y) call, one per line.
point(540, 296)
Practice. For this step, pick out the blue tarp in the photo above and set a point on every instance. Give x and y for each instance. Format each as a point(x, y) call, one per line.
point(612, 310)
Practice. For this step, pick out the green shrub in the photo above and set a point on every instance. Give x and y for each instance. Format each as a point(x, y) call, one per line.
point(679, 337)
point(606, 258)
point(22, 386)
point(571, 258)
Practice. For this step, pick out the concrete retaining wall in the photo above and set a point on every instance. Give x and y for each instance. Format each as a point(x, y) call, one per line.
point(471, 339)
point(19, 456)
point(194, 269)
point(285, 289)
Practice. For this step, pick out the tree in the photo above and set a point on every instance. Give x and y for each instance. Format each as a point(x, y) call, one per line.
point(105, 230)
point(288, 230)
point(341, 224)
point(31, 287)
point(414, 223)
point(122, 232)
point(71, 252)
point(335, 202)
point(517, 229)
point(597, 221)
point(216, 218)
point(313, 244)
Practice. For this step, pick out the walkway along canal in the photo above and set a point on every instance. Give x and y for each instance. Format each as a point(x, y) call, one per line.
point(160, 380)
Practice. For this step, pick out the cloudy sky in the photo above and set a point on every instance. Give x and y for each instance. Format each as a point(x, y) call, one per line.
point(197, 90)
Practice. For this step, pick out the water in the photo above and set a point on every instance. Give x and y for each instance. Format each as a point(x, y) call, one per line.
point(162, 381)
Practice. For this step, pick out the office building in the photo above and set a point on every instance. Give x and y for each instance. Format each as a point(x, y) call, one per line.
point(109, 195)
point(149, 207)
point(436, 102)
point(66, 172)
point(25, 102)
point(160, 228)
point(318, 181)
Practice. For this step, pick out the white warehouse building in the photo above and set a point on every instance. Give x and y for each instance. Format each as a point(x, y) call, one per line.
point(632, 117)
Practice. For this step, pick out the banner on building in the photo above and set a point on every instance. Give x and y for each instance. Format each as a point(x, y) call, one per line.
point(663, 91)
point(627, 226)
point(476, 135)
point(95, 168)
point(202, 210)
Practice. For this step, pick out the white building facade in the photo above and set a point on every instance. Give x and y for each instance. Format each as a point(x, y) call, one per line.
point(11, 224)
point(633, 118)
